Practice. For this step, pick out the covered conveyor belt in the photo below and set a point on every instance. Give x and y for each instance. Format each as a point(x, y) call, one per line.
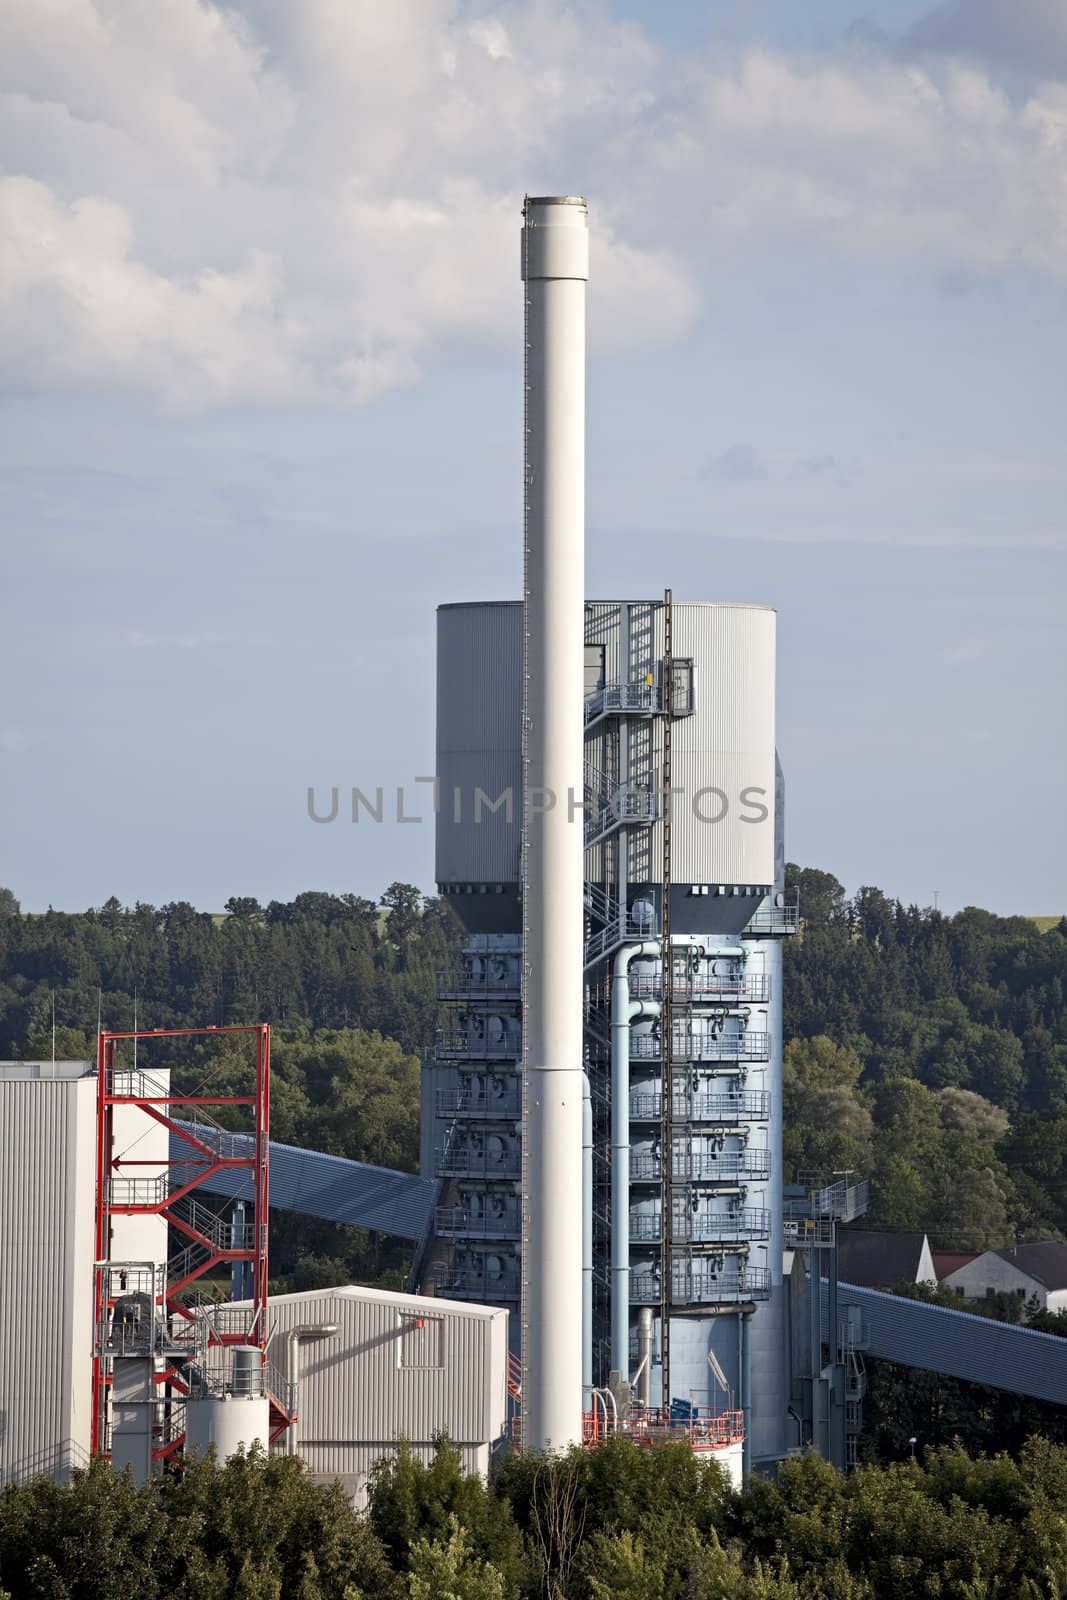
point(328, 1187)
point(959, 1344)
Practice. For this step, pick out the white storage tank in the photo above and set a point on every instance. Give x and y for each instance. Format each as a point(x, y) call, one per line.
point(228, 1422)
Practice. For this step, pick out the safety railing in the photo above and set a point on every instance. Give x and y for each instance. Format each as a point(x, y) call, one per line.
point(142, 1194)
point(623, 699)
point(776, 918)
point(478, 1103)
point(747, 1106)
point(844, 1200)
point(465, 1283)
point(700, 1430)
point(624, 928)
point(472, 1046)
point(478, 1163)
point(726, 1287)
point(702, 988)
point(806, 1232)
point(709, 1167)
point(489, 985)
point(736, 1227)
point(853, 1337)
point(456, 1222)
point(687, 1046)
point(625, 803)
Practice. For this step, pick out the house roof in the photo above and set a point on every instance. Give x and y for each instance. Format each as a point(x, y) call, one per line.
point(946, 1261)
point(878, 1260)
point(1045, 1262)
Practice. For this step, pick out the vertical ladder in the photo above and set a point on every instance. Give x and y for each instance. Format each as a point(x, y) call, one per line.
point(666, 1020)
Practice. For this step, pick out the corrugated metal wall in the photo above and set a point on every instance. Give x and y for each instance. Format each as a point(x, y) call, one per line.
point(375, 1381)
point(47, 1165)
point(728, 744)
point(959, 1344)
point(479, 740)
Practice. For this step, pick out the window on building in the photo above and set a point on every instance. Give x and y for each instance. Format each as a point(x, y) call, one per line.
point(422, 1340)
point(683, 692)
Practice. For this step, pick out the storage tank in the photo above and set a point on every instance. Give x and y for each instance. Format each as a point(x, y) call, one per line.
point(479, 762)
point(228, 1422)
point(726, 883)
point(723, 755)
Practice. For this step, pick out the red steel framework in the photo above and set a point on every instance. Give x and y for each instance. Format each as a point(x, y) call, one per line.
point(206, 1148)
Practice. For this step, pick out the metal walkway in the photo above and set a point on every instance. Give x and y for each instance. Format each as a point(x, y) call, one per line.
point(329, 1187)
point(1001, 1355)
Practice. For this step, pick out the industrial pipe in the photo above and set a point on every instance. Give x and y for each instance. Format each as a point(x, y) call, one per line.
point(623, 1012)
point(320, 1330)
point(744, 1384)
point(555, 267)
point(643, 1376)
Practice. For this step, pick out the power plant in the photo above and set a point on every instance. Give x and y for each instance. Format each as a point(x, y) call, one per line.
point(610, 834)
point(605, 1240)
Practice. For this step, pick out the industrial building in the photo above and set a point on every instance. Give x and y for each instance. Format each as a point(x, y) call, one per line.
point(603, 1229)
point(109, 1208)
point(368, 1367)
point(713, 1279)
point(47, 1175)
point(610, 833)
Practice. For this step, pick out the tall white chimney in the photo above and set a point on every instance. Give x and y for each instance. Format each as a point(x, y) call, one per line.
point(555, 267)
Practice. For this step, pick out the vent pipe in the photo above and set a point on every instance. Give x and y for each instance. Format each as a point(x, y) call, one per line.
point(555, 267)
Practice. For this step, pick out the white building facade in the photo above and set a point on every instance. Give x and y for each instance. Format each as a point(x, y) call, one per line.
point(1031, 1272)
point(370, 1367)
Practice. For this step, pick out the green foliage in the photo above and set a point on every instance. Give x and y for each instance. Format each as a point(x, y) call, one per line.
point(670, 1500)
point(949, 1524)
point(350, 994)
point(253, 1529)
point(931, 1053)
point(412, 1502)
point(448, 1569)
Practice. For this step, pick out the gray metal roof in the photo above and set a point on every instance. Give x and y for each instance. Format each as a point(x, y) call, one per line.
point(330, 1187)
point(877, 1259)
point(961, 1345)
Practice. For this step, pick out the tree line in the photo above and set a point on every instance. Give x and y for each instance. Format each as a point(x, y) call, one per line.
point(928, 1052)
point(614, 1523)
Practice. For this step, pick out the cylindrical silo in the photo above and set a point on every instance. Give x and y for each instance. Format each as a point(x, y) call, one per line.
point(229, 1422)
point(555, 267)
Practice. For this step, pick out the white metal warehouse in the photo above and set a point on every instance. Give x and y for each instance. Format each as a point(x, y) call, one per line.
point(372, 1367)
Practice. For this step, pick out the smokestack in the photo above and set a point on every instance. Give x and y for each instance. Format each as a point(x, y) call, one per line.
point(555, 267)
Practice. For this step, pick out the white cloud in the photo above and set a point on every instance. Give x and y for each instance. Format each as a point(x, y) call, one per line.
point(295, 203)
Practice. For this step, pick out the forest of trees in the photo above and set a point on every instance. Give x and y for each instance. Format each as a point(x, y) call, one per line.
point(930, 1053)
point(926, 1051)
point(615, 1523)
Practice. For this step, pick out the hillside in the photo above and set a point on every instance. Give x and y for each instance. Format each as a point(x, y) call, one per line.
point(928, 1051)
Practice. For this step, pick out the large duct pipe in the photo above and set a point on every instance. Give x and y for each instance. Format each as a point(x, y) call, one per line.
point(644, 1355)
point(623, 1012)
point(555, 267)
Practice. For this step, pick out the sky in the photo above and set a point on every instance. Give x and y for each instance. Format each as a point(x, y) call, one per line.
point(260, 410)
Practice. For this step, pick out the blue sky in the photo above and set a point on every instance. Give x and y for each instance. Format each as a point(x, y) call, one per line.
point(260, 343)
